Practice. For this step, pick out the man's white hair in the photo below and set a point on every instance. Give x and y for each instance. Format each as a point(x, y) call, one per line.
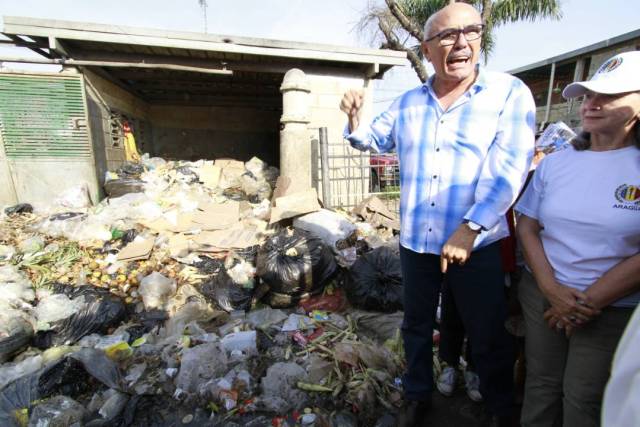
point(429, 24)
point(432, 18)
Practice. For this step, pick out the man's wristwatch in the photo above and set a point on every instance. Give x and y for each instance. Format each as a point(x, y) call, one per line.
point(476, 228)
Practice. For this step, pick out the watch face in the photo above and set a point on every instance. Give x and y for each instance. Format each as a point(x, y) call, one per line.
point(474, 227)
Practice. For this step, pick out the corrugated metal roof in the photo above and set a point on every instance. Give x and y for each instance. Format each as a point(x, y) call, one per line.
point(120, 39)
point(195, 68)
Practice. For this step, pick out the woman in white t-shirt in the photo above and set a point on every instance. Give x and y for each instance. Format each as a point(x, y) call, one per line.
point(580, 232)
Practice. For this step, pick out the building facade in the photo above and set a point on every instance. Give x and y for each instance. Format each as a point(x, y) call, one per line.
point(547, 78)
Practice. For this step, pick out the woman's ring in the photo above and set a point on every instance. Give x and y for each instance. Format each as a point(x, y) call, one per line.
point(559, 325)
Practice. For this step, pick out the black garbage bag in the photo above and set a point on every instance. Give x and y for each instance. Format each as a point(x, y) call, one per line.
point(295, 262)
point(101, 312)
point(71, 376)
point(130, 169)
point(188, 173)
point(208, 265)
point(277, 300)
point(235, 194)
point(249, 254)
point(374, 281)
point(120, 187)
point(18, 209)
point(144, 322)
point(66, 215)
point(119, 239)
point(226, 293)
point(15, 335)
point(129, 236)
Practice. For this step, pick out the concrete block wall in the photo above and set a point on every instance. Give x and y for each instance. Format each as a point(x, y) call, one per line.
point(183, 132)
point(8, 194)
point(560, 112)
point(103, 97)
point(351, 176)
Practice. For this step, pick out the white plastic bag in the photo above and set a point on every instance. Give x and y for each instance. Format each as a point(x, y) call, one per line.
point(156, 290)
point(328, 225)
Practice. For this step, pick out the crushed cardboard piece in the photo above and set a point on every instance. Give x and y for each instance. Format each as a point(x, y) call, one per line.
point(374, 211)
point(210, 175)
point(229, 163)
point(294, 204)
point(139, 249)
point(239, 237)
point(178, 245)
point(172, 221)
point(232, 170)
point(217, 216)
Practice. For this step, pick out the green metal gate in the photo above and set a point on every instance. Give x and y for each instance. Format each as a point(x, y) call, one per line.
point(43, 117)
point(45, 142)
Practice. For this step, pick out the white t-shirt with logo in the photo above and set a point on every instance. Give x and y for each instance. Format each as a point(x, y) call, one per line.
point(588, 203)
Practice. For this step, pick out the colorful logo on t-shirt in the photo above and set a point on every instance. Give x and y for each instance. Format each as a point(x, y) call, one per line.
point(610, 65)
point(628, 196)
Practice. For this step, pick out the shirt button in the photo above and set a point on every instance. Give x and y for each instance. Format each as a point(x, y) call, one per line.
point(435, 176)
point(433, 204)
point(437, 149)
point(429, 230)
point(441, 121)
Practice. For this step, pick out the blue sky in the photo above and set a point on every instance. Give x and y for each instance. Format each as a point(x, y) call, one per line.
point(332, 22)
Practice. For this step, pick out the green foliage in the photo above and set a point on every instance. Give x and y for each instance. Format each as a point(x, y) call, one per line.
point(501, 12)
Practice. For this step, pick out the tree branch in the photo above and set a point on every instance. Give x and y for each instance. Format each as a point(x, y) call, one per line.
point(393, 43)
point(486, 11)
point(406, 23)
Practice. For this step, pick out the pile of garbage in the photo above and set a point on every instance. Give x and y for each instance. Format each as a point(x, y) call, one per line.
point(199, 292)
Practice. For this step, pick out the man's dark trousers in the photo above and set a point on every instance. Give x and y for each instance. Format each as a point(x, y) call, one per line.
point(478, 290)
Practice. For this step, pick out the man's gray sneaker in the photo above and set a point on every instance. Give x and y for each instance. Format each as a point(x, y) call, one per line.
point(447, 380)
point(472, 384)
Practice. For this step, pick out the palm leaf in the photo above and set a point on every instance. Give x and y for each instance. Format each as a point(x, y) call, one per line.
point(505, 11)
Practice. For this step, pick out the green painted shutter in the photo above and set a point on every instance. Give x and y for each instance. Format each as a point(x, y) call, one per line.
point(43, 117)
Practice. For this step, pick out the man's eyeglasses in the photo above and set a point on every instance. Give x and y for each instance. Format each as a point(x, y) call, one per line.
point(449, 36)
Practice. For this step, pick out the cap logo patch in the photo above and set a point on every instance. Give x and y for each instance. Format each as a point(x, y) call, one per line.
point(610, 65)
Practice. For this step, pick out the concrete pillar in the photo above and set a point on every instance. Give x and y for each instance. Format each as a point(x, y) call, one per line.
point(295, 144)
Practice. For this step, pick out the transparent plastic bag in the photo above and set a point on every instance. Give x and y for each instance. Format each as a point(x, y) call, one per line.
point(56, 307)
point(74, 198)
point(31, 245)
point(14, 286)
point(156, 289)
point(7, 252)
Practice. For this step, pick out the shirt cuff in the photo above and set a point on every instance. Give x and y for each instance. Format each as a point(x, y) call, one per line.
point(346, 132)
point(484, 215)
point(358, 139)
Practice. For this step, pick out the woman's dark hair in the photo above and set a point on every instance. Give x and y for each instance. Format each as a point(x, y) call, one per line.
point(583, 140)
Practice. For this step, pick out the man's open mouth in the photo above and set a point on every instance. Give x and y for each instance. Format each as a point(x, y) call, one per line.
point(458, 60)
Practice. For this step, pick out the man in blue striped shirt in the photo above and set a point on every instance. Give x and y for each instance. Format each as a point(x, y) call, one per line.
point(464, 140)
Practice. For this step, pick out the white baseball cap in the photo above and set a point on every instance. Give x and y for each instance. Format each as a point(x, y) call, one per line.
point(619, 74)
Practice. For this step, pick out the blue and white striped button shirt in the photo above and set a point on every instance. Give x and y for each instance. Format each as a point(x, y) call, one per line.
point(468, 162)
